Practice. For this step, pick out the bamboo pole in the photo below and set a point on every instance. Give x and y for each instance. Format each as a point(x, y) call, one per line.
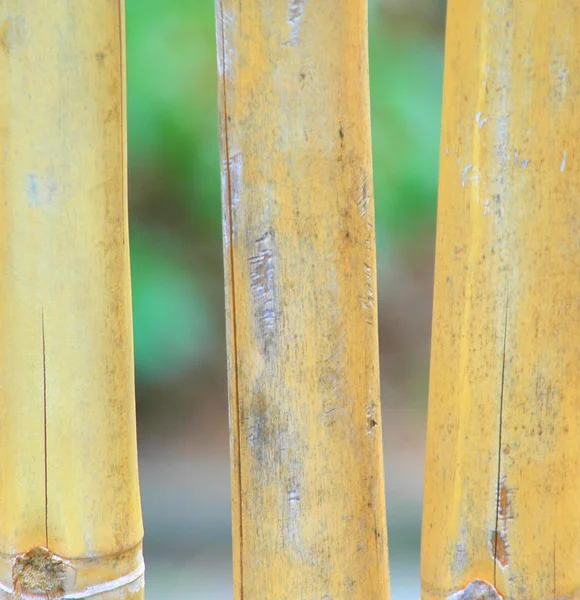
point(68, 460)
point(307, 475)
point(503, 472)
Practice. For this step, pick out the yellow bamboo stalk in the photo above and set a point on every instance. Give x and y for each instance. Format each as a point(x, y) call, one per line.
point(503, 460)
point(68, 460)
point(308, 497)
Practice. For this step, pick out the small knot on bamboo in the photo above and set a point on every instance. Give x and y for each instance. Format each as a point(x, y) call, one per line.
point(477, 590)
point(39, 573)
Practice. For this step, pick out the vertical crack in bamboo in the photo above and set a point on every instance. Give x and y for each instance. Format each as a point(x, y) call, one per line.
point(44, 408)
point(501, 401)
point(235, 395)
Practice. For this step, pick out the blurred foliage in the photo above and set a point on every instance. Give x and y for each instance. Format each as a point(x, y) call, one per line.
point(169, 308)
point(174, 164)
point(406, 69)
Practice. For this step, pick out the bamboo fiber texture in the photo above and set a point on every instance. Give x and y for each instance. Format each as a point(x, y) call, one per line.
point(307, 472)
point(503, 451)
point(68, 459)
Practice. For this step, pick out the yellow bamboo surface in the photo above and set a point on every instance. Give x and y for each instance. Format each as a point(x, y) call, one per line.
point(68, 460)
point(307, 479)
point(502, 497)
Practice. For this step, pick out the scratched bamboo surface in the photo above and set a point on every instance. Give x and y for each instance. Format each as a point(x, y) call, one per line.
point(68, 461)
point(503, 472)
point(307, 478)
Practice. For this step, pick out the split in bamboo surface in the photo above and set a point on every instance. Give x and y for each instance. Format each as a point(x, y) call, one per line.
point(307, 472)
point(503, 456)
point(68, 459)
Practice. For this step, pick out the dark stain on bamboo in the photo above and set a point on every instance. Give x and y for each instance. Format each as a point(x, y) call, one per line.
point(268, 435)
point(498, 539)
point(501, 548)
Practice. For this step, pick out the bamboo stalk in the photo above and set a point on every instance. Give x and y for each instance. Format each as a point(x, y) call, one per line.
point(307, 475)
point(503, 470)
point(68, 460)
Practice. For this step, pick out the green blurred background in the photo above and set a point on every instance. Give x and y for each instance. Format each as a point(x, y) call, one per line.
point(176, 252)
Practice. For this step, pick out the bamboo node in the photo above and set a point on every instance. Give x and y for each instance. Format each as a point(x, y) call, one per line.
point(39, 574)
point(477, 590)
